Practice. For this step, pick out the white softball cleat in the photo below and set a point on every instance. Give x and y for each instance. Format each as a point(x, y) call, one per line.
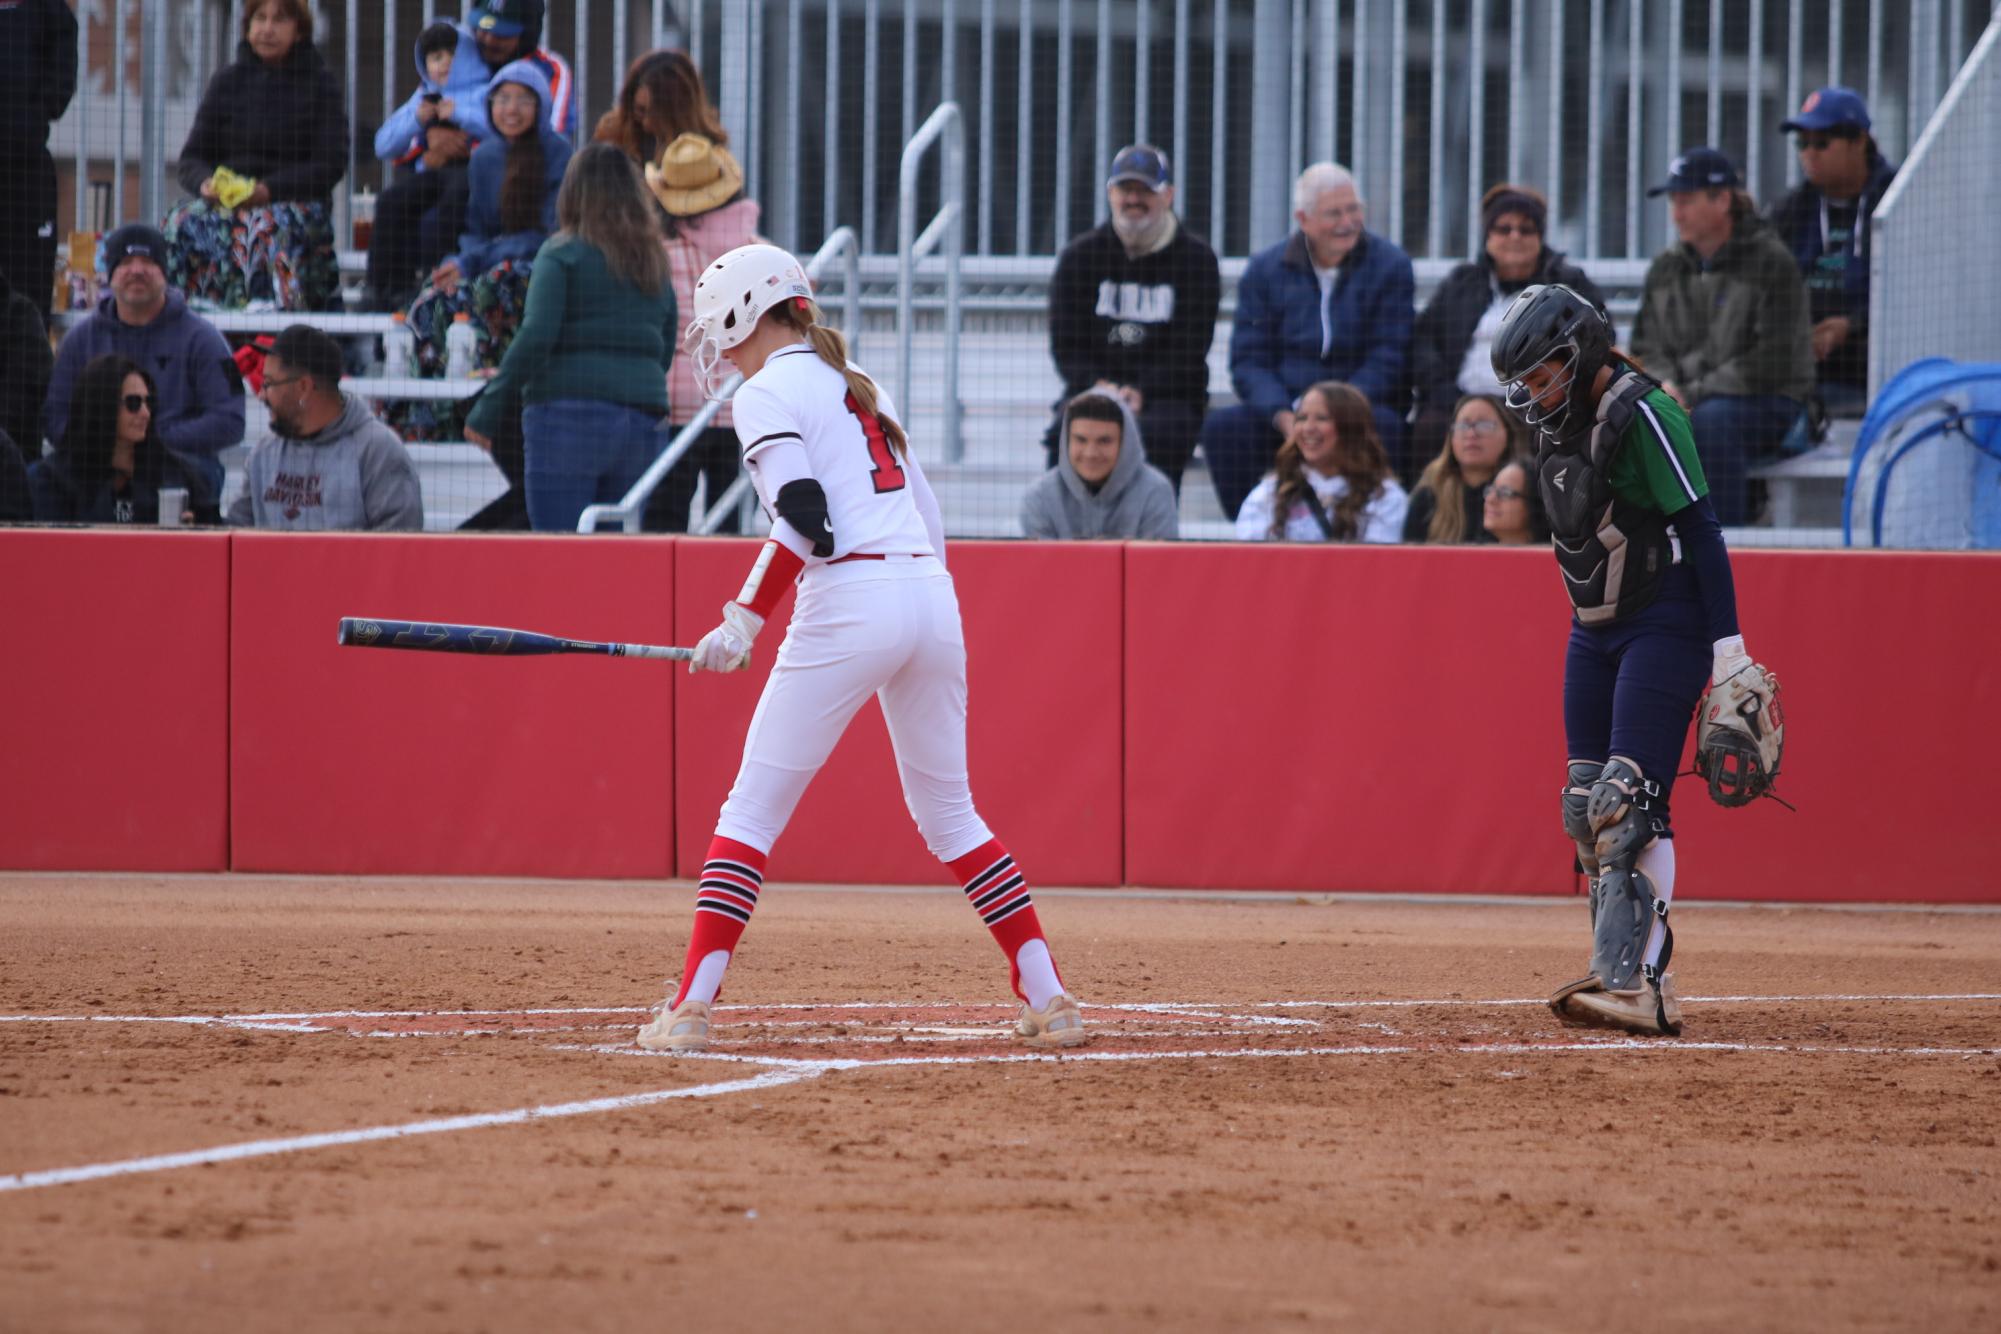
point(1640, 1008)
point(1060, 1024)
point(685, 1028)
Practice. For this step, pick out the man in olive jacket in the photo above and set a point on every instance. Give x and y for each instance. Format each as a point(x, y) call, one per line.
point(1723, 325)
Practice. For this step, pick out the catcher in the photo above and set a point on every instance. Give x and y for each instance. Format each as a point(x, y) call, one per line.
point(1643, 559)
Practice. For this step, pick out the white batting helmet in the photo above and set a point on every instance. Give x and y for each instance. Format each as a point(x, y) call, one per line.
point(731, 296)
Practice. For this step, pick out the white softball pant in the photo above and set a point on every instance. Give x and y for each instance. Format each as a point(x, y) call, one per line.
point(884, 628)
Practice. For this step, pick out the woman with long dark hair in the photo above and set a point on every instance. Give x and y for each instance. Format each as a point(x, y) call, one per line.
point(591, 358)
point(110, 466)
point(269, 144)
point(662, 99)
point(1332, 481)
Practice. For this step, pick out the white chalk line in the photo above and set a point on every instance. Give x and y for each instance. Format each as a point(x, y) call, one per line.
point(302, 1020)
point(779, 1071)
point(264, 1148)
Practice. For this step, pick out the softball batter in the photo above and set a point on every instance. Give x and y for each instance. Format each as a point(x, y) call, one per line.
point(1643, 558)
point(856, 524)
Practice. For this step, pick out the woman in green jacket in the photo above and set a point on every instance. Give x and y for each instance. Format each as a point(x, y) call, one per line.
point(590, 360)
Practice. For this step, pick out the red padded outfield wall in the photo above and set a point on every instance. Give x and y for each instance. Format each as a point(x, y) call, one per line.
point(1390, 719)
point(114, 741)
point(374, 761)
point(1155, 714)
point(1044, 718)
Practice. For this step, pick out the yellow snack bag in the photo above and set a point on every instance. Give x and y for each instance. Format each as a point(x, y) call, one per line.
point(230, 189)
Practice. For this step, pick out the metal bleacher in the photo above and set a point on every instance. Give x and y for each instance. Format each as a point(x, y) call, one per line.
point(1007, 385)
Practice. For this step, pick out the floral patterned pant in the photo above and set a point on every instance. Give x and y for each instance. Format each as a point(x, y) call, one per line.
point(228, 259)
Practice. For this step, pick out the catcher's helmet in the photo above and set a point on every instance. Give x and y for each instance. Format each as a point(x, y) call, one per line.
point(1550, 321)
point(730, 297)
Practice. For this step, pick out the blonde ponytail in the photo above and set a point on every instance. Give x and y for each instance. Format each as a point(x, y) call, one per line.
point(832, 348)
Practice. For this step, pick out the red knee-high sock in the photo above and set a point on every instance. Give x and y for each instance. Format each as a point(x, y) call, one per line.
point(999, 894)
point(724, 901)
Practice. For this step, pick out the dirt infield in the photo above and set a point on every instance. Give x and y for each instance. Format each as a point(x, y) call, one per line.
point(241, 1102)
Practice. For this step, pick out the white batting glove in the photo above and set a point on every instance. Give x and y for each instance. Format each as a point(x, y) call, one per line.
point(727, 647)
point(1731, 659)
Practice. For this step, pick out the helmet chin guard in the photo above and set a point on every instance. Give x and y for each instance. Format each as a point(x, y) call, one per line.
point(731, 296)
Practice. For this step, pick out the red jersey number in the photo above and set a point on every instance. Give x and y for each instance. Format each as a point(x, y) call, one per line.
point(883, 467)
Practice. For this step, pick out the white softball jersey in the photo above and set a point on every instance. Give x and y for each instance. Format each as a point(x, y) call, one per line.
point(872, 494)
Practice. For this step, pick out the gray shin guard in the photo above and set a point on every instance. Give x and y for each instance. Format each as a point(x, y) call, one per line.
point(1577, 813)
point(1622, 811)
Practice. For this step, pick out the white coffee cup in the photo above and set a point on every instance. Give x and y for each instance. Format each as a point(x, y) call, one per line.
point(173, 506)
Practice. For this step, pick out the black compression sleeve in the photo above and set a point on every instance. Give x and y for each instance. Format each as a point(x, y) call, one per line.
point(1703, 550)
point(804, 505)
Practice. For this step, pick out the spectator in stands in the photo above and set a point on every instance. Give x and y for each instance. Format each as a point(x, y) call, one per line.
point(1449, 345)
point(268, 145)
point(1513, 514)
point(25, 360)
point(110, 465)
point(199, 410)
point(592, 356)
point(1825, 222)
point(1332, 481)
point(1132, 309)
point(1102, 486)
point(15, 504)
point(1723, 324)
point(419, 217)
point(515, 176)
point(1332, 302)
point(663, 98)
point(704, 215)
point(1447, 506)
point(37, 80)
point(329, 465)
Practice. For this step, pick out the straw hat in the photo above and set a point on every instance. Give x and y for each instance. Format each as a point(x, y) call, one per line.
point(694, 176)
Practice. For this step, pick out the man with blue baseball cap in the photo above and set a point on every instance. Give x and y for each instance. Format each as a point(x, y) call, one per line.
point(1132, 311)
point(1824, 221)
point(1723, 324)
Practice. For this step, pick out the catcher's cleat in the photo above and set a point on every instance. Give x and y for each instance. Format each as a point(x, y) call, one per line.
point(1061, 1024)
point(685, 1028)
point(1640, 1008)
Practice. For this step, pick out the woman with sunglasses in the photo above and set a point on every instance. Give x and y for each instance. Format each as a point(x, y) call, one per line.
point(1450, 342)
point(110, 466)
point(1644, 563)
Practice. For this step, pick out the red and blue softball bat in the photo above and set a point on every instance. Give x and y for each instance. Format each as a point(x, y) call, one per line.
point(439, 637)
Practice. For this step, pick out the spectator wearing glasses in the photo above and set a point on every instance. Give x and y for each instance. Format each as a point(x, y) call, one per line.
point(1825, 222)
point(1450, 343)
point(329, 465)
point(1448, 506)
point(110, 465)
point(200, 407)
point(1333, 302)
point(1132, 311)
point(1723, 323)
point(1511, 511)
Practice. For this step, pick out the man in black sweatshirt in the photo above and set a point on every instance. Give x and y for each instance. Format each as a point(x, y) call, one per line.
point(1132, 310)
point(37, 80)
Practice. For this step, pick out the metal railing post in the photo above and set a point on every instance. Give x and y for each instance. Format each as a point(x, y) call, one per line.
point(946, 227)
point(844, 245)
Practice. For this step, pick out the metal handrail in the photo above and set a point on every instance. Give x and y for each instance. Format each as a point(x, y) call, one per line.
point(948, 226)
point(844, 245)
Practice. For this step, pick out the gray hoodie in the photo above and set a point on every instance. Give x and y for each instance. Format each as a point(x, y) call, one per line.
point(355, 474)
point(1137, 500)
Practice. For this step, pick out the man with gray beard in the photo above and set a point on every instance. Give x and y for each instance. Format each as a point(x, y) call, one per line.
point(1132, 311)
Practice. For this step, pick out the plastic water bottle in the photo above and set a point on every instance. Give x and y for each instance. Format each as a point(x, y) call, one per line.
point(399, 348)
point(461, 343)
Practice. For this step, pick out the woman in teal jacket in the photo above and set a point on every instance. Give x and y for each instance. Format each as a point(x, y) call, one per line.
point(590, 360)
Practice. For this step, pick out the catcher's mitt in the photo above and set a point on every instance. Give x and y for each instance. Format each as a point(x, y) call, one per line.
point(1740, 737)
